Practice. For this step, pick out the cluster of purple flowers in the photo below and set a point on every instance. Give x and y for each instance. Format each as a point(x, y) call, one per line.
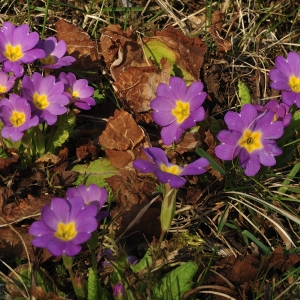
point(42, 98)
point(69, 222)
point(251, 134)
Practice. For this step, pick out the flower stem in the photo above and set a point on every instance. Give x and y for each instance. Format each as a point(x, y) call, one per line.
point(68, 261)
point(168, 207)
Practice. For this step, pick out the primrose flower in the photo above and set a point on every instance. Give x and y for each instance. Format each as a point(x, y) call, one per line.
point(251, 136)
point(45, 96)
point(78, 91)
point(55, 52)
point(64, 226)
point(119, 291)
point(177, 108)
point(280, 110)
point(167, 172)
point(91, 195)
point(6, 82)
point(15, 113)
point(286, 77)
point(17, 47)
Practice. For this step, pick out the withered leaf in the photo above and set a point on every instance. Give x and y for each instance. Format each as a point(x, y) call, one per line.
point(121, 132)
point(123, 139)
point(120, 49)
point(79, 45)
point(215, 30)
point(189, 52)
point(137, 85)
point(131, 196)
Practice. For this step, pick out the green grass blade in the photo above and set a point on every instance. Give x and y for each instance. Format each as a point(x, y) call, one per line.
point(212, 162)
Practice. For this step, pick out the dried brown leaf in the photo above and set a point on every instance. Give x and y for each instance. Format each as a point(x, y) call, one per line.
point(137, 85)
point(215, 30)
point(79, 45)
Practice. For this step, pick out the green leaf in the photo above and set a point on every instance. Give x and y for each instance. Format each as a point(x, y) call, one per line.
point(244, 93)
point(93, 283)
point(144, 263)
point(65, 125)
point(95, 172)
point(98, 96)
point(173, 285)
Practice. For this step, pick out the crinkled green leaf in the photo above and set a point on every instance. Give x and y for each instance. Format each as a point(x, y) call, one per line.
point(173, 285)
point(244, 93)
point(144, 263)
point(93, 291)
point(95, 172)
point(65, 125)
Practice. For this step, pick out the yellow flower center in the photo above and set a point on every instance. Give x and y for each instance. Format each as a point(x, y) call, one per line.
point(40, 101)
point(13, 53)
point(75, 95)
point(181, 111)
point(17, 118)
point(250, 140)
point(173, 169)
point(49, 60)
point(294, 83)
point(2, 89)
point(66, 232)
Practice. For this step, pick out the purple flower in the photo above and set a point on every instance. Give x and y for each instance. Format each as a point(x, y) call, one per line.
point(17, 47)
point(280, 110)
point(177, 108)
point(78, 91)
point(45, 96)
point(119, 291)
point(55, 51)
point(15, 113)
point(64, 226)
point(286, 77)
point(6, 82)
point(91, 195)
point(167, 172)
point(251, 136)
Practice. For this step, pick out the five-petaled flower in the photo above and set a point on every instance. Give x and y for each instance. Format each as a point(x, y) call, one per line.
point(15, 113)
point(251, 136)
point(78, 91)
point(46, 96)
point(167, 172)
point(177, 108)
point(6, 82)
point(280, 110)
point(55, 52)
point(91, 195)
point(64, 225)
point(17, 47)
point(286, 77)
